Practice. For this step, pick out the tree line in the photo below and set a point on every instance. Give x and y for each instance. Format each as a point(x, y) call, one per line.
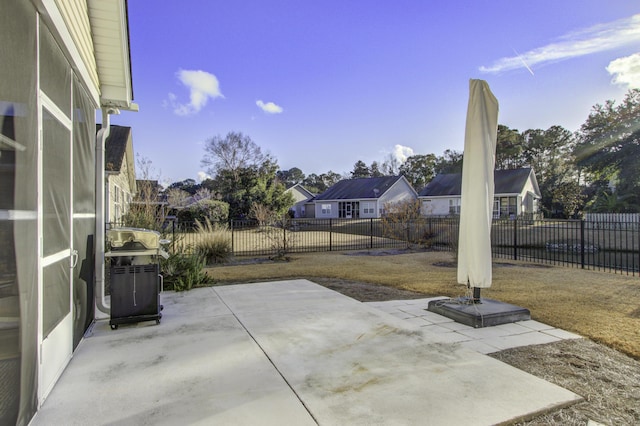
point(596, 168)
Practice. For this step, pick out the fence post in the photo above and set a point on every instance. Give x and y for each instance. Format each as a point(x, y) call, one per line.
point(582, 243)
point(173, 236)
point(232, 239)
point(371, 233)
point(515, 238)
point(330, 234)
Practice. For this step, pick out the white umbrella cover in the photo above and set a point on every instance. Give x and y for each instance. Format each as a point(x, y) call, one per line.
point(476, 205)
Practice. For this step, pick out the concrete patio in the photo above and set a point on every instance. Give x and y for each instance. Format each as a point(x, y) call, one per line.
point(294, 352)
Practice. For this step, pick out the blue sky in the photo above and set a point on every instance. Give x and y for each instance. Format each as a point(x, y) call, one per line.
point(322, 84)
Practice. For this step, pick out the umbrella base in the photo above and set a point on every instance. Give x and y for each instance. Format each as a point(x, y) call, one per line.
point(485, 314)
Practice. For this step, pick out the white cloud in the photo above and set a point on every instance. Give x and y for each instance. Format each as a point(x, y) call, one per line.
point(203, 176)
point(626, 71)
point(401, 153)
point(202, 87)
point(269, 107)
point(598, 38)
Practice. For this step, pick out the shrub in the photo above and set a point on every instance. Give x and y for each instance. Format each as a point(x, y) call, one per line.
point(402, 222)
point(213, 242)
point(184, 272)
point(213, 210)
point(279, 236)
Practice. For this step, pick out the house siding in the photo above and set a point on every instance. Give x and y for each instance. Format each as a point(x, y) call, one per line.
point(513, 203)
point(436, 206)
point(76, 18)
point(120, 185)
point(118, 192)
point(369, 209)
point(400, 192)
point(301, 198)
point(331, 213)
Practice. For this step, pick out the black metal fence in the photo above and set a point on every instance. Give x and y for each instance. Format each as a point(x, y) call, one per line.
point(598, 245)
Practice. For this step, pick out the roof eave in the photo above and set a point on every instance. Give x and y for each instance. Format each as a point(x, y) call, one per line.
point(110, 30)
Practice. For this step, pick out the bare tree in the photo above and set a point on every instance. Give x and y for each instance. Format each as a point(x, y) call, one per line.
point(177, 197)
point(232, 153)
point(263, 214)
point(204, 194)
point(391, 165)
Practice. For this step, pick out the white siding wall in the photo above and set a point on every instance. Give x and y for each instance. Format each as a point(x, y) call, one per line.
point(75, 15)
point(118, 182)
point(369, 209)
point(333, 207)
point(400, 192)
point(436, 207)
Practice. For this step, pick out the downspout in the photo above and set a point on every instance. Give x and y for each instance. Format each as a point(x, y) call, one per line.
point(101, 138)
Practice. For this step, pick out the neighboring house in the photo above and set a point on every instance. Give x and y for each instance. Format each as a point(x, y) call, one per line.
point(120, 174)
point(516, 193)
point(362, 198)
point(301, 197)
point(61, 61)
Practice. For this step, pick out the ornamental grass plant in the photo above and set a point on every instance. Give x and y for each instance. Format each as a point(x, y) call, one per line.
point(213, 242)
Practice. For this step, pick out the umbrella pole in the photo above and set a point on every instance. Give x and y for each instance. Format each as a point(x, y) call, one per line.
point(476, 295)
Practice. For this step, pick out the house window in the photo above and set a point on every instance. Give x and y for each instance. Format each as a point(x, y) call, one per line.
point(326, 209)
point(368, 208)
point(508, 206)
point(454, 206)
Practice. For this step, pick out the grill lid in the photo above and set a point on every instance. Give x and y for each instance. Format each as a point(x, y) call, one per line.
point(132, 239)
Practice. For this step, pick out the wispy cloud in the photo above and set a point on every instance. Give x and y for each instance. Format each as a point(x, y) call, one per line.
point(626, 71)
point(598, 38)
point(269, 107)
point(202, 86)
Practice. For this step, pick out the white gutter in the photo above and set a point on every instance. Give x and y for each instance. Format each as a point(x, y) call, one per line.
point(101, 138)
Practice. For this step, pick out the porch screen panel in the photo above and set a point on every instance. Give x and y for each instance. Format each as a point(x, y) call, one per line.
point(18, 211)
point(56, 185)
point(56, 292)
point(55, 73)
point(84, 137)
point(84, 128)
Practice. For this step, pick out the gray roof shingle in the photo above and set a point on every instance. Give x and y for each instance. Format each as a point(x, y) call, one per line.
point(115, 146)
point(361, 188)
point(506, 182)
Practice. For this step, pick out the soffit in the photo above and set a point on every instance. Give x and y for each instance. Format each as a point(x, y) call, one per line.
point(110, 31)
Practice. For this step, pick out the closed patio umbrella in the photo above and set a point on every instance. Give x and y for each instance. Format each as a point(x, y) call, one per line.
point(476, 206)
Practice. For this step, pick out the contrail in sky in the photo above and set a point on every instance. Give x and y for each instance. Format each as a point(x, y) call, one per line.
point(597, 38)
point(523, 61)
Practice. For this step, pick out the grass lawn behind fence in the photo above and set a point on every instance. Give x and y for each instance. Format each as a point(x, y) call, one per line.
point(601, 306)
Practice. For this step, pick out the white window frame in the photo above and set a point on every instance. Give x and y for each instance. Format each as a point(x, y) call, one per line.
point(454, 206)
point(368, 208)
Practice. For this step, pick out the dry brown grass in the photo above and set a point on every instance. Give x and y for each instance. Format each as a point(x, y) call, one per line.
point(599, 305)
